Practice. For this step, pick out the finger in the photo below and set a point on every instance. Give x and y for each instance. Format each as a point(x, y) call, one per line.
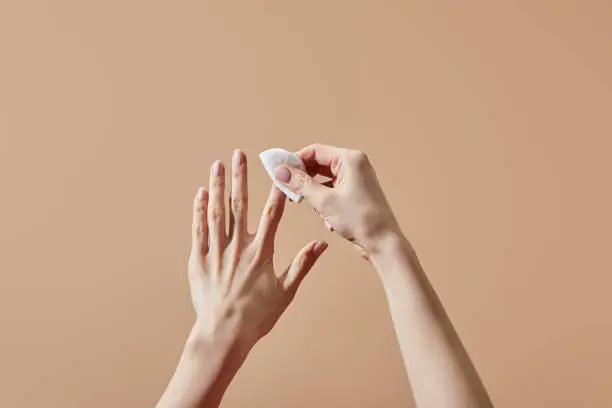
point(302, 263)
point(304, 185)
point(238, 196)
point(230, 230)
point(314, 169)
point(321, 159)
point(216, 208)
point(272, 214)
point(199, 230)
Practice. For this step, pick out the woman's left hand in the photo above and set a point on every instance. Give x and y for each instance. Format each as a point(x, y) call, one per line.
point(234, 287)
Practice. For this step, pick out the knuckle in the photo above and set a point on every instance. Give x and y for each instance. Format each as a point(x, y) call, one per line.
point(239, 204)
point(194, 264)
point(216, 214)
point(201, 232)
point(316, 146)
point(218, 181)
point(262, 256)
point(200, 208)
point(271, 211)
point(359, 157)
point(298, 181)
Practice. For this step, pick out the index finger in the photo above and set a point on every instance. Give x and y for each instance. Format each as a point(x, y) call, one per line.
point(321, 159)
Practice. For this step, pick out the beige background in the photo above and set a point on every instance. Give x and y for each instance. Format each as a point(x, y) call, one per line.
point(489, 124)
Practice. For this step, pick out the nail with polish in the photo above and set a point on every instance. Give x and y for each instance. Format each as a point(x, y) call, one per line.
point(201, 193)
point(283, 174)
point(238, 158)
point(319, 247)
point(217, 168)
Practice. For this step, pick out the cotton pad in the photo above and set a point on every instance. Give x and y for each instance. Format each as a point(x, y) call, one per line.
point(273, 158)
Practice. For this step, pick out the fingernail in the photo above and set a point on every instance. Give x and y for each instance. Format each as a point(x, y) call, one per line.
point(319, 247)
point(217, 168)
point(283, 174)
point(238, 158)
point(201, 193)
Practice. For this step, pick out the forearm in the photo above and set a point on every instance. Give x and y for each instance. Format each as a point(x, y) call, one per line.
point(206, 368)
point(440, 370)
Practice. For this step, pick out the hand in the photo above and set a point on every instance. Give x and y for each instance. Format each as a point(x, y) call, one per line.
point(352, 202)
point(231, 274)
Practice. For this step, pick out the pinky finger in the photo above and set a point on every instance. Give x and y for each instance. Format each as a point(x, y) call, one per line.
point(199, 229)
point(302, 263)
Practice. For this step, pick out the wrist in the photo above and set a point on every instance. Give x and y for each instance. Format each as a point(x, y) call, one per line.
point(392, 253)
point(386, 242)
point(223, 341)
point(209, 362)
point(378, 228)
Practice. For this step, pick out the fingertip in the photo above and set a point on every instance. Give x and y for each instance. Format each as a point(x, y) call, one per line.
point(283, 174)
point(308, 152)
point(217, 168)
point(319, 247)
point(239, 157)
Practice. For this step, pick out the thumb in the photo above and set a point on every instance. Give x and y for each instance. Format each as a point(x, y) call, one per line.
point(301, 183)
point(300, 266)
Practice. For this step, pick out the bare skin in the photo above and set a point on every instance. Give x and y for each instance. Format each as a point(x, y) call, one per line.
point(238, 297)
point(353, 204)
point(236, 293)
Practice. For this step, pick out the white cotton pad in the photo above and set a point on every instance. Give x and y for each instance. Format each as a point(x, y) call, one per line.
point(273, 158)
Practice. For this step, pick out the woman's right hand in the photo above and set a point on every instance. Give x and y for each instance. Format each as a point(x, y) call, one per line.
point(438, 366)
point(352, 202)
